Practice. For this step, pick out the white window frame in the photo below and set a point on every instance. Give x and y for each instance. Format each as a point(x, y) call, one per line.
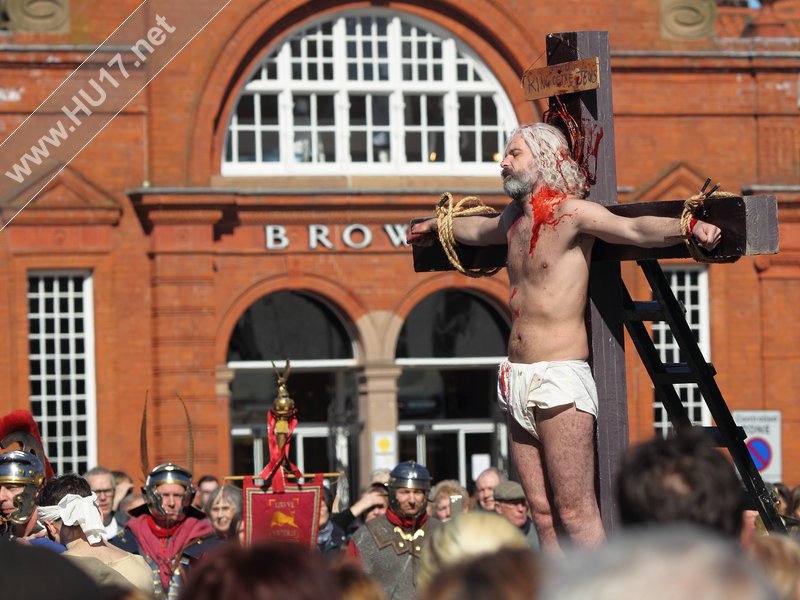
point(462, 430)
point(669, 353)
point(90, 392)
point(455, 54)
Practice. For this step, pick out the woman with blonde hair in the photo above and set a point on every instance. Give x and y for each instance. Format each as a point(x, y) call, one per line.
point(447, 499)
point(465, 537)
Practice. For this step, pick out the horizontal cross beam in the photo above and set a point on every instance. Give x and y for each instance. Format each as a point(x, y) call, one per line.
point(749, 227)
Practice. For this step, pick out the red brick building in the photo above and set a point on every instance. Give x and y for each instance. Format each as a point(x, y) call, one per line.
point(248, 206)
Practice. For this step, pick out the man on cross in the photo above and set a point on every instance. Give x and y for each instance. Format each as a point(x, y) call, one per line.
point(546, 385)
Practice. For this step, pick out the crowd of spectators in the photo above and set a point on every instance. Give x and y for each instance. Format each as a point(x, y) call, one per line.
point(683, 531)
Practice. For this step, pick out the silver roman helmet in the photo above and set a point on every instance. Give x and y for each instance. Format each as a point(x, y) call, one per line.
point(18, 468)
point(166, 473)
point(408, 474)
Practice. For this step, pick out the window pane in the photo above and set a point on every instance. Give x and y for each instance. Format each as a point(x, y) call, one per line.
point(381, 147)
point(229, 147)
point(467, 146)
point(358, 110)
point(488, 111)
point(489, 150)
point(435, 110)
point(325, 110)
point(302, 110)
point(245, 111)
point(302, 146)
point(436, 146)
point(466, 110)
point(326, 144)
point(358, 146)
point(269, 109)
point(413, 146)
point(270, 146)
point(380, 110)
point(247, 146)
point(413, 112)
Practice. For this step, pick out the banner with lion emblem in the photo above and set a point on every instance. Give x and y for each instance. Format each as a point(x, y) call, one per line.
point(290, 516)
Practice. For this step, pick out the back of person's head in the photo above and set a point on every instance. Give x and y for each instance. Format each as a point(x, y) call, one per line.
point(782, 495)
point(99, 470)
point(447, 488)
point(379, 476)
point(352, 581)
point(681, 479)
point(779, 555)
point(31, 573)
point(507, 574)
point(267, 571)
point(465, 537)
point(54, 490)
point(120, 476)
point(659, 563)
point(207, 479)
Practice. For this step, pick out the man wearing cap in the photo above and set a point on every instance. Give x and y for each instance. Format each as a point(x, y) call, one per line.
point(167, 530)
point(389, 546)
point(509, 502)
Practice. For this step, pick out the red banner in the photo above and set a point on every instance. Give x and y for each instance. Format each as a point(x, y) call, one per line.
point(290, 516)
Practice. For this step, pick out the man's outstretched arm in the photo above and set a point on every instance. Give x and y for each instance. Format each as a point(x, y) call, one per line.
point(473, 231)
point(647, 232)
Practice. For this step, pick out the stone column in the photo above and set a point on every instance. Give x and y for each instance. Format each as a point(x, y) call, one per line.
point(377, 410)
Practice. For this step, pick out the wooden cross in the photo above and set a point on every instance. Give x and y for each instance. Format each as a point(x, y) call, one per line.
point(748, 227)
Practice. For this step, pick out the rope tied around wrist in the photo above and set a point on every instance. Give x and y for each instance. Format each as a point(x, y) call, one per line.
point(445, 213)
point(693, 211)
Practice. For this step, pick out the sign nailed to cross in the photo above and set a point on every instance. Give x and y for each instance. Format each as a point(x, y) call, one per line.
point(564, 78)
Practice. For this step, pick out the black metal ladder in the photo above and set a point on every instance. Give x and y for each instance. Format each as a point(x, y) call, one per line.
point(666, 307)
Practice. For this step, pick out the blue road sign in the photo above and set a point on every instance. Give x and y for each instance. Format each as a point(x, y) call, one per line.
point(760, 451)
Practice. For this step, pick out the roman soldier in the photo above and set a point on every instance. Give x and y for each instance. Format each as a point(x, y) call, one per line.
point(167, 530)
point(389, 546)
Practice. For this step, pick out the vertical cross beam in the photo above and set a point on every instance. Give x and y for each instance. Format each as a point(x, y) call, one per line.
point(592, 111)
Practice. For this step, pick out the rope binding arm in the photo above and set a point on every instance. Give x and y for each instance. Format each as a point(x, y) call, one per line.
point(446, 211)
point(693, 210)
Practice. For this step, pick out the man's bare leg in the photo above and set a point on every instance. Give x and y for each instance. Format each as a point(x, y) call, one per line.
point(526, 452)
point(567, 440)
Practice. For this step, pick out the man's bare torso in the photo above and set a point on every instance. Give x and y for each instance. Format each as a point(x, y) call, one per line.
point(548, 268)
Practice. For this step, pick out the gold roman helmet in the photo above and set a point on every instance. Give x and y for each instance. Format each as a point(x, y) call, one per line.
point(167, 473)
point(18, 468)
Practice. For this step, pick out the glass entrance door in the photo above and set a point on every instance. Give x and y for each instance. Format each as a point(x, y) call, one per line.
point(454, 450)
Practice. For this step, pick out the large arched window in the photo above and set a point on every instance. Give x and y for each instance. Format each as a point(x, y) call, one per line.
point(307, 331)
point(449, 349)
point(381, 89)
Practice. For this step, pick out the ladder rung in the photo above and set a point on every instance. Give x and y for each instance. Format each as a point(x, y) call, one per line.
point(645, 311)
point(680, 373)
